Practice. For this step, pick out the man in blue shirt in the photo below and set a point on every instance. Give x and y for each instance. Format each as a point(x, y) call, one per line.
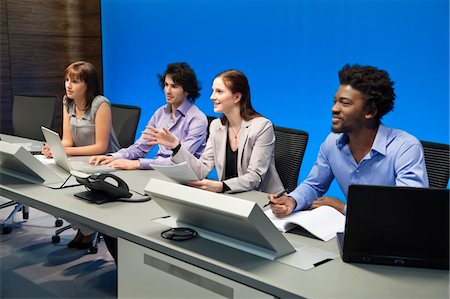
point(360, 150)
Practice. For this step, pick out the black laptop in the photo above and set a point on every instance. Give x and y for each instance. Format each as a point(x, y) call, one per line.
point(400, 226)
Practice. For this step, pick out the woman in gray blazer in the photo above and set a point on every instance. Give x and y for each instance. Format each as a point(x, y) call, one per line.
point(240, 145)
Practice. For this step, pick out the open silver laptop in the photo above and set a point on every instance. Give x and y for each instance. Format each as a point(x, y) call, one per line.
point(61, 159)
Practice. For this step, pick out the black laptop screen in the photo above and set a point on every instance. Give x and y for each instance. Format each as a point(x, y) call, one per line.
point(397, 225)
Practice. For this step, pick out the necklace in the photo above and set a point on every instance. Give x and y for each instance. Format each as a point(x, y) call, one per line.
point(235, 132)
point(80, 109)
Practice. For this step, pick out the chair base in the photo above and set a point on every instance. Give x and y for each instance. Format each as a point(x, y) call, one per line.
point(7, 223)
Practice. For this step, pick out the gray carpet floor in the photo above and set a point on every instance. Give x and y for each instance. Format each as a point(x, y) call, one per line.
point(31, 266)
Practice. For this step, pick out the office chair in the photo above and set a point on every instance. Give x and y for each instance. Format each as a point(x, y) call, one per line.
point(290, 146)
point(437, 160)
point(29, 113)
point(125, 120)
point(210, 119)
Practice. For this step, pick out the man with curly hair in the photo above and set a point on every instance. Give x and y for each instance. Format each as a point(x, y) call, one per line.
point(179, 115)
point(360, 149)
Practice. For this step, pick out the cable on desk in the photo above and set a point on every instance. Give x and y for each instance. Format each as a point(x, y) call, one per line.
point(144, 199)
point(65, 181)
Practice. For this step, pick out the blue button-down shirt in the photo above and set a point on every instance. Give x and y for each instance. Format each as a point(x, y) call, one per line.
point(395, 159)
point(189, 127)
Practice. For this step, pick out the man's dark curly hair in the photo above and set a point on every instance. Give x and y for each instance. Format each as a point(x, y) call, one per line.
point(375, 85)
point(182, 74)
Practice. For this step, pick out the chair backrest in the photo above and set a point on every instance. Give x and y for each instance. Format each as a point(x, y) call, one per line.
point(437, 161)
point(290, 146)
point(210, 119)
point(30, 112)
point(125, 120)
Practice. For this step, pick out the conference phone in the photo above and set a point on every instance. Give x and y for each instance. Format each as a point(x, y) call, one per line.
point(104, 187)
point(107, 183)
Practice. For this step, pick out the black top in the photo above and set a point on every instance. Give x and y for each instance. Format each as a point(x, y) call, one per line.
point(230, 162)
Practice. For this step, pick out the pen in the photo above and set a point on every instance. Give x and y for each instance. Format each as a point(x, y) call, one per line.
point(276, 196)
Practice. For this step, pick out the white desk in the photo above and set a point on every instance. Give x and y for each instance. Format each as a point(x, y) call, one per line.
point(150, 265)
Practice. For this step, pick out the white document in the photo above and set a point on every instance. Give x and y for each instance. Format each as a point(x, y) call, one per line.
point(44, 160)
point(180, 173)
point(323, 222)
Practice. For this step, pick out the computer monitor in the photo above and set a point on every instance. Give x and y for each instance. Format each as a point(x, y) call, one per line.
point(33, 146)
point(222, 218)
point(16, 161)
point(399, 226)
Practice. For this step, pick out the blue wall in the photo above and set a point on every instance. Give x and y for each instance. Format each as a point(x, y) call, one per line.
point(291, 51)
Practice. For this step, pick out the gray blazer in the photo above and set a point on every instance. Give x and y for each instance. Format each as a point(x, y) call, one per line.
point(256, 163)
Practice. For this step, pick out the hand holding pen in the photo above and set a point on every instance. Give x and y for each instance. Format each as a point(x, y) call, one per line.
point(278, 195)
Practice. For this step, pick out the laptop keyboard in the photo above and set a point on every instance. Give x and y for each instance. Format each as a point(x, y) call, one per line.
point(85, 167)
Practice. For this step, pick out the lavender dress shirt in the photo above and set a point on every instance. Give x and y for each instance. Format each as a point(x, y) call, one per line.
point(190, 128)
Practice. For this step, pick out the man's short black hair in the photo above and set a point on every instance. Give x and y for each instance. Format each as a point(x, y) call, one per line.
point(375, 85)
point(182, 74)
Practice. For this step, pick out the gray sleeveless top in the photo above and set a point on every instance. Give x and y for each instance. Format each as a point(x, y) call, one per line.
point(83, 129)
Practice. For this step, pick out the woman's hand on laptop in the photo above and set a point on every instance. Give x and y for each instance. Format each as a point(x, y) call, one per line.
point(47, 152)
point(329, 201)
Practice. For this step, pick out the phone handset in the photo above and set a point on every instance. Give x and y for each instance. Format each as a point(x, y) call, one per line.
point(107, 183)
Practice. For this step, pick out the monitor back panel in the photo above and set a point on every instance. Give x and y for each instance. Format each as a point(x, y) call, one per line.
point(397, 226)
point(18, 162)
point(232, 221)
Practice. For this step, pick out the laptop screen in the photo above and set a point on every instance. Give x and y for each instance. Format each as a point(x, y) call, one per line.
point(55, 144)
point(397, 226)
